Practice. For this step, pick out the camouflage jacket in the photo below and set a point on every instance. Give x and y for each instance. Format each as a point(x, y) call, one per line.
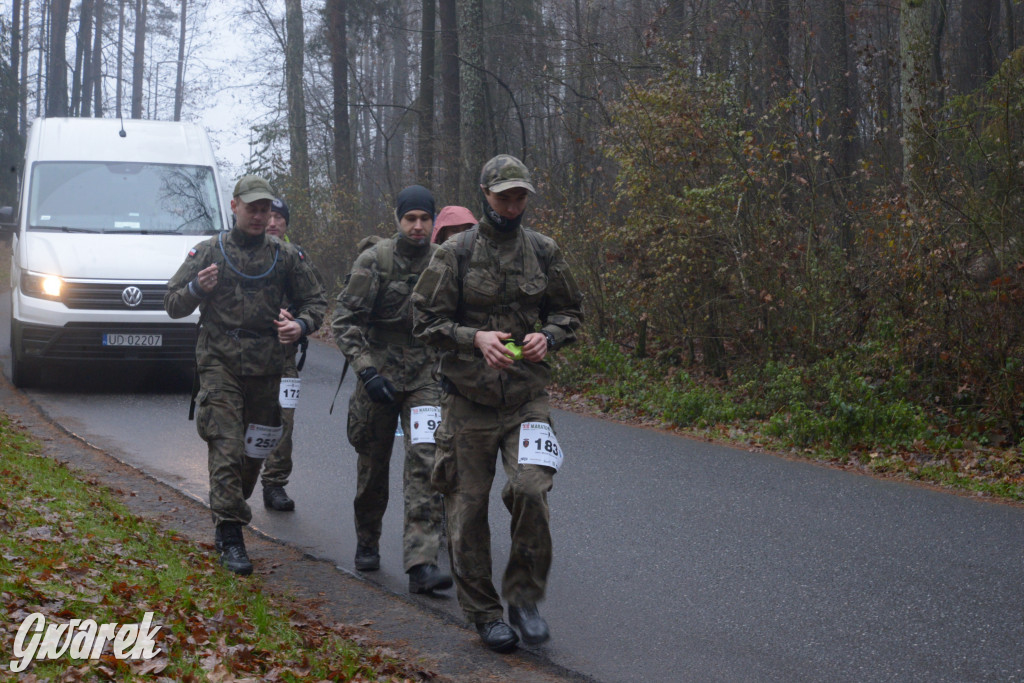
point(372, 322)
point(515, 282)
point(237, 317)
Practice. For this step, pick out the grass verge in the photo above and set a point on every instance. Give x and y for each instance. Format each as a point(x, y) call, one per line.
point(70, 550)
point(835, 411)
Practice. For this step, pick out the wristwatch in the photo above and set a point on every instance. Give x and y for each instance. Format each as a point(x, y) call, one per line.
point(550, 337)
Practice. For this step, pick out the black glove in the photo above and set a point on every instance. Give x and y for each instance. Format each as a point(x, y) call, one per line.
point(377, 386)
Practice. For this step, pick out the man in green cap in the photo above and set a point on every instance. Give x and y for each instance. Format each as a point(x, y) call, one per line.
point(496, 300)
point(240, 281)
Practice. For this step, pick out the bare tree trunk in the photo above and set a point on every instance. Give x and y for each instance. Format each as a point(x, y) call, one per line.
point(95, 71)
point(425, 153)
point(83, 56)
point(451, 153)
point(941, 10)
point(57, 64)
point(399, 116)
point(16, 51)
point(473, 101)
point(139, 57)
point(23, 81)
point(915, 34)
point(675, 18)
point(779, 69)
point(120, 58)
point(976, 54)
point(294, 66)
point(337, 27)
point(179, 81)
point(840, 107)
point(1011, 27)
point(89, 73)
point(44, 24)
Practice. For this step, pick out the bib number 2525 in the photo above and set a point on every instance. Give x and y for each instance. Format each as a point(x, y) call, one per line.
point(261, 440)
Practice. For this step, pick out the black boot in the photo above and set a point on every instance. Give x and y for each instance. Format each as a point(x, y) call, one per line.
point(367, 558)
point(274, 498)
point(425, 578)
point(530, 623)
point(231, 546)
point(498, 636)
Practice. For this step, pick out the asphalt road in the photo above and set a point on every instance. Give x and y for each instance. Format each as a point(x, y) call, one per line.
point(675, 560)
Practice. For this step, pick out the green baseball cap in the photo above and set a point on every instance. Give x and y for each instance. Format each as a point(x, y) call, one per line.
point(251, 188)
point(504, 172)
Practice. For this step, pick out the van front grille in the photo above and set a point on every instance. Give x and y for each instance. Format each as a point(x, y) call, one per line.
point(104, 296)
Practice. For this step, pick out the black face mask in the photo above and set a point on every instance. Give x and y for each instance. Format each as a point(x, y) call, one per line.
point(501, 223)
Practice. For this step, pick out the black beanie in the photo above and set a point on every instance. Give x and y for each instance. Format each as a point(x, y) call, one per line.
point(414, 198)
point(278, 206)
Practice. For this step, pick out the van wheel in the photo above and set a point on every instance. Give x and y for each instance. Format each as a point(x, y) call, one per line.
point(23, 373)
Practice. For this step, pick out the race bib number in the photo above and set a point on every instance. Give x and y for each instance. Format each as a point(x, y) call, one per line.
point(424, 420)
point(538, 445)
point(261, 440)
point(289, 397)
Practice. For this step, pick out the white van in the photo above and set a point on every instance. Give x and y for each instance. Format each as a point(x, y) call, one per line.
point(108, 212)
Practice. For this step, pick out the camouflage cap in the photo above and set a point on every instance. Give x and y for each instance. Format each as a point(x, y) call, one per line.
point(504, 172)
point(251, 188)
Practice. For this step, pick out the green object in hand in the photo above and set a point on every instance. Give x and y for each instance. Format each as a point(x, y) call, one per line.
point(517, 351)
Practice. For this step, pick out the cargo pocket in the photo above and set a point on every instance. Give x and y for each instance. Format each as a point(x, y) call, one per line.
point(204, 416)
point(444, 475)
point(359, 433)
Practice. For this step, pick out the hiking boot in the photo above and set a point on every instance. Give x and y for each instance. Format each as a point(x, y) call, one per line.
point(530, 624)
point(231, 546)
point(425, 578)
point(497, 636)
point(274, 498)
point(367, 558)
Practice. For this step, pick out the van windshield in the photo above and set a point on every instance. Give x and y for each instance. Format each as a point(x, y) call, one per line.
point(108, 197)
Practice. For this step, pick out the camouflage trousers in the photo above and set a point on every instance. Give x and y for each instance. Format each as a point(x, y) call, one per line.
point(371, 431)
point(278, 466)
point(468, 440)
point(226, 406)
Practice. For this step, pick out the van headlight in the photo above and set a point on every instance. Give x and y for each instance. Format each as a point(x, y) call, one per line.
point(41, 286)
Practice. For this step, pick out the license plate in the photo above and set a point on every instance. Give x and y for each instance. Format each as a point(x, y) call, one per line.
point(119, 339)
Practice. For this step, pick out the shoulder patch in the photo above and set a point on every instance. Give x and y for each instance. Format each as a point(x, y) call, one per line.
point(191, 252)
point(302, 254)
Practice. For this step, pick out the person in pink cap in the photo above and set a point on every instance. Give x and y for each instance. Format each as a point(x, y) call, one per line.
point(451, 221)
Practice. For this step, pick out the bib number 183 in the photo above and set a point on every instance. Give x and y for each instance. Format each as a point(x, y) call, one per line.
point(538, 445)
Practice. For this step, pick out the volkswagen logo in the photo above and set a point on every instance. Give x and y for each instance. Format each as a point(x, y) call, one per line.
point(131, 296)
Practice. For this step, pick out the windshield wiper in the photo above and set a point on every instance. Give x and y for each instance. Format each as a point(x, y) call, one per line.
point(64, 228)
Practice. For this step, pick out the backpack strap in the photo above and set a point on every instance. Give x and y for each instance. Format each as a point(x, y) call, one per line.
point(386, 257)
point(386, 261)
point(466, 240)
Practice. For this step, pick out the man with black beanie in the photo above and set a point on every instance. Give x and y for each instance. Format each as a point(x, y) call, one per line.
point(373, 327)
point(278, 466)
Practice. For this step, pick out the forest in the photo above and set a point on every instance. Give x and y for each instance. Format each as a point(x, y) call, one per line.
point(800, 215)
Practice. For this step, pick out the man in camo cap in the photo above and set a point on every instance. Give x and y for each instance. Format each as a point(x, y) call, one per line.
point(240, 281)
point(496, 300)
